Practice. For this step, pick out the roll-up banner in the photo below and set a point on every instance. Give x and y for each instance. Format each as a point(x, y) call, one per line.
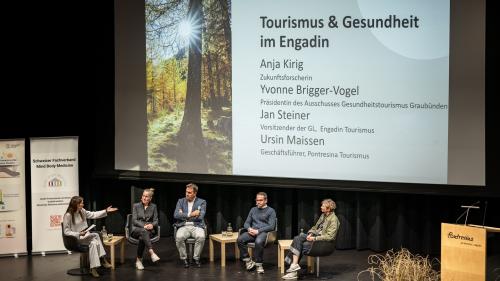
point(12, 198)
point(54, 180)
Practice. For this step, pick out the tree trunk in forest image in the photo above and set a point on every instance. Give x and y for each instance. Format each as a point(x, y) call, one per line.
point(214, 104)
point(191, 155)
point(228, 41)
point(174, 80)
point(152, 91)
point(218, 80)
point(227, 27)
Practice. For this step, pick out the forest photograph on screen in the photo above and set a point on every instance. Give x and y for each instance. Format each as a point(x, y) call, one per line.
point(189, 92)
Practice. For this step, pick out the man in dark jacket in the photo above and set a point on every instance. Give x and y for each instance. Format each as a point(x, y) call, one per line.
point(259, 222)
point(190, 213)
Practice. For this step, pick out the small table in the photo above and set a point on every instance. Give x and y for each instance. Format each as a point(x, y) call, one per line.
point(223, 241)
point(115, 241)
point(282, 246)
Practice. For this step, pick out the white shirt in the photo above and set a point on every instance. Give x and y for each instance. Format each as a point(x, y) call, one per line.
point(190, 209)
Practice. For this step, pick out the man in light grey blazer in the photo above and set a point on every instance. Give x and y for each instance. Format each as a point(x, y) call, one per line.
point(190, 213)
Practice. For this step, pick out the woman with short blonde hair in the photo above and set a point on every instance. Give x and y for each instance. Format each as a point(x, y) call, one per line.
point(144, 226)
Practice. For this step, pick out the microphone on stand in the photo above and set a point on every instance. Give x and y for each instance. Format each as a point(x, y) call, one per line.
point(466, 212)
point(473, 206)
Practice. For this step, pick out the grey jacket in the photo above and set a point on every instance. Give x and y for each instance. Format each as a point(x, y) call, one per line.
point(141, 216)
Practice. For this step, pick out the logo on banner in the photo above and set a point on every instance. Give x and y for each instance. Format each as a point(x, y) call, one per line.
point(55, 181)
point(7, 231)
point(460, 237)
point(8, 165)
point(55, 220)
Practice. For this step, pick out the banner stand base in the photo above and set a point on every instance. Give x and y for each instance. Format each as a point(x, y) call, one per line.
point(15, 255)
point(43, 253)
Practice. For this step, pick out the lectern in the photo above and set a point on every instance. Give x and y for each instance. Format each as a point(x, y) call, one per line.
point(463, 252)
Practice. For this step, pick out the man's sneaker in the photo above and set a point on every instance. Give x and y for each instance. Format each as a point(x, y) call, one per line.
point(290, 276)
point(138, 265)
point(154, 258)
point(260, 269)
point(250, 264)
point(293, 268)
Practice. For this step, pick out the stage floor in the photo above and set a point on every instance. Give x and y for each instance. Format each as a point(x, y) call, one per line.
point(341, 265)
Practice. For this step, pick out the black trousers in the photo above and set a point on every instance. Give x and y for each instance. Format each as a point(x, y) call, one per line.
point(144, 237)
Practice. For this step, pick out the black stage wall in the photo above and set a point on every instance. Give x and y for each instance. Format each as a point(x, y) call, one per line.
point(60, 81)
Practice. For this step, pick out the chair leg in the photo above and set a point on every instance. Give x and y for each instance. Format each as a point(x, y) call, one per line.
point(190, 252)
point(317, 267)
point(84, 260)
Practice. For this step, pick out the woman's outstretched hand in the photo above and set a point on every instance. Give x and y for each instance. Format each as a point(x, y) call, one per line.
point(110, 209)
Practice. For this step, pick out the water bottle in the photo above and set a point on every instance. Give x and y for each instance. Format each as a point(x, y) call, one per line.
point(104, 233)
point(229, 229)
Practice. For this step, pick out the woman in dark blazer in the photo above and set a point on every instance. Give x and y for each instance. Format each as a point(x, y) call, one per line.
point(144, 223)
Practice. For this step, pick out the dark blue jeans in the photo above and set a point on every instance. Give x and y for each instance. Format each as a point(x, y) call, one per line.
point(300, 246)
point(245, 238)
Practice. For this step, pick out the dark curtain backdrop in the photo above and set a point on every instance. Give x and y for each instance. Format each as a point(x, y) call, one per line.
point(369, 220)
